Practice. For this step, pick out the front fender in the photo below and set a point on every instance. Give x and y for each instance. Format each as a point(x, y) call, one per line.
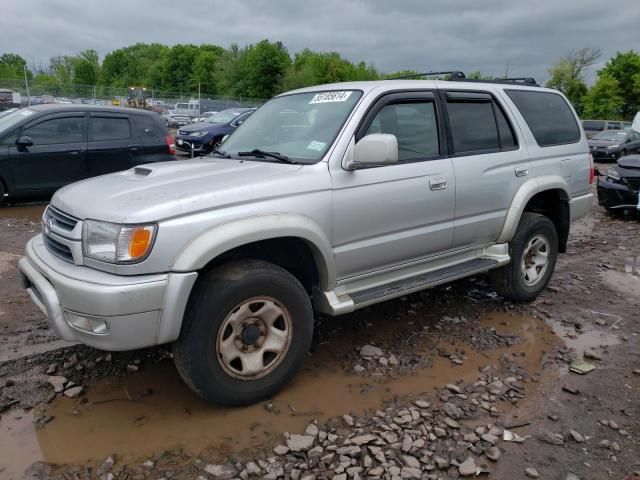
point(525, 193)
point(227, 236)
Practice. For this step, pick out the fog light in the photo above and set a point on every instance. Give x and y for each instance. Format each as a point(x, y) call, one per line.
point(86, 323)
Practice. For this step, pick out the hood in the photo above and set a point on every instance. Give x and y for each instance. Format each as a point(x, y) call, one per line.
point(603, 143)
point(629, 166)
point(196, 127)
point(157, 191)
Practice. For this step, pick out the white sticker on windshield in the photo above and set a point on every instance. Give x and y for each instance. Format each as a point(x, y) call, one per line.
point(327, 97)
point(315, 145)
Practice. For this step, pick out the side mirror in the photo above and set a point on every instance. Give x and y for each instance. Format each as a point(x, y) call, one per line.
point(374, 150)
point(25, 141)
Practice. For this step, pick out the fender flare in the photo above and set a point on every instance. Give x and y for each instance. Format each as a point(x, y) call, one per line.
point(525, 193)
point(227, 236)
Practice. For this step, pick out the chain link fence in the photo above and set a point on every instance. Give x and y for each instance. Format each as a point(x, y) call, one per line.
point(16, 93)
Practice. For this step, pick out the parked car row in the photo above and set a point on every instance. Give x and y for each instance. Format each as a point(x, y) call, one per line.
point(45, 147)
point(593, 127)
point(203, 137)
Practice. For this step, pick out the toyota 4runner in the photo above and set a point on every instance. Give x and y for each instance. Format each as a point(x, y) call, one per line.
point(330, 198)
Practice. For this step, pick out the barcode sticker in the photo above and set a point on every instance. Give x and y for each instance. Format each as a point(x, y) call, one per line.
point(327, 97)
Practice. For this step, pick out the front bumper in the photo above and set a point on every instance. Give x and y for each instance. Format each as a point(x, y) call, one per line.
point(614, 195)
point(199, 143)
point(130, 312)
point(604, 154)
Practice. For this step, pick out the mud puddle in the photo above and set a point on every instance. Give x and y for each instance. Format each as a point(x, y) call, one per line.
point(141, 415)
point(32, 211)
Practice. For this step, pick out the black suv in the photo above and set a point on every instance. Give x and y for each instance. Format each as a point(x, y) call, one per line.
point(45, 147)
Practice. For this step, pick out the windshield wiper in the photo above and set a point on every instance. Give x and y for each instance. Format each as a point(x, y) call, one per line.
point(256, 152)
point(220, 152)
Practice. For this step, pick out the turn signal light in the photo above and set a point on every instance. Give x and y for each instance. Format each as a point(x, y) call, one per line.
point(139, 242)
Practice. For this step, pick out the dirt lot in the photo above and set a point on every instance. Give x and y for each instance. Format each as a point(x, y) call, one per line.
point(447, 379)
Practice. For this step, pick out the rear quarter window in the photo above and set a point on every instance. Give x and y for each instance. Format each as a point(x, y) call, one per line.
point(144, 126)
point(548, 116)
point(593, 125)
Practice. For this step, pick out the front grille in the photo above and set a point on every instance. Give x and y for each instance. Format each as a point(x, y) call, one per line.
point(58, 249)
point(60, 219)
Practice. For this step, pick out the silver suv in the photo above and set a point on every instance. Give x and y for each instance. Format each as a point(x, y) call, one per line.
point(329, 198)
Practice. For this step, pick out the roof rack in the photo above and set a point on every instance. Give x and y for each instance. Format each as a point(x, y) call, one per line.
point(459, 76)
point(453, 74)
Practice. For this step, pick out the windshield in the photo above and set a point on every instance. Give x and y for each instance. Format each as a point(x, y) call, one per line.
point(225, 116)
point(9, 120)
point(612, 135)
point(301, 126)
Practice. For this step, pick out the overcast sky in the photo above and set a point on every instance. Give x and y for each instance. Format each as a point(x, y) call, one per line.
point(423, 35)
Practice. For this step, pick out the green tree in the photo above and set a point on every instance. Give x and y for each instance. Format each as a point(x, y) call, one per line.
point(12, 66)
point(625, 68)
point(604, 99)
point(313, 68)
point(203, 72)
point(265, 64)
point(567, 75)
point(136, 65)
point(86, 68)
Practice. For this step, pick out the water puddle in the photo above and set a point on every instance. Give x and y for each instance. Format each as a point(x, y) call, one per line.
point(143, 414)
point(32, 211)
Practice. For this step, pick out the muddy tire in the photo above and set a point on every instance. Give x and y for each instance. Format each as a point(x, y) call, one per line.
point(246, 332)
point(533, 251)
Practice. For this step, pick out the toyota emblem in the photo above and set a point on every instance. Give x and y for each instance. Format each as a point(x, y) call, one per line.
point(48, 225)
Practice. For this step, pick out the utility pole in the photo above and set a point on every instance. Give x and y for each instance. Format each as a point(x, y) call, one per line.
point(26, 83)
point(199, 102)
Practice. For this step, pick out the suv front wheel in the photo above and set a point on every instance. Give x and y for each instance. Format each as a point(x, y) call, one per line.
point(533, 251)
point(246, 332)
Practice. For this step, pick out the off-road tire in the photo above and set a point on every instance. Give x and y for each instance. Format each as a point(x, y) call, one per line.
point(214, 297)
point(508, 281)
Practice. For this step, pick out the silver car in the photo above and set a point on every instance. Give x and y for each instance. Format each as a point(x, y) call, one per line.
point(328, 199)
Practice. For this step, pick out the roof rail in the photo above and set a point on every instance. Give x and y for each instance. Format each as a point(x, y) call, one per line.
point(453, 74)
point(515, 81)
point(456, 75)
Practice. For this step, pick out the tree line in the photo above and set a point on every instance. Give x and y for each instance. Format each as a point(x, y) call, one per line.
point(266, 68)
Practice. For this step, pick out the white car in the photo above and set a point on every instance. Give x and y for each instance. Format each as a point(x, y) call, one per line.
point(203, 116)
point(636, 123)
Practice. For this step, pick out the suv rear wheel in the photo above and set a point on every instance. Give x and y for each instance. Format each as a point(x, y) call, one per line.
point(246, 332)
point(533, 251)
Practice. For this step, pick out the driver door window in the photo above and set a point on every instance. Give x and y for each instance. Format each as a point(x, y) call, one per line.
point(414, 126)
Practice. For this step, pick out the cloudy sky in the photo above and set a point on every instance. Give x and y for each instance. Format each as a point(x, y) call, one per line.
point(468, 35)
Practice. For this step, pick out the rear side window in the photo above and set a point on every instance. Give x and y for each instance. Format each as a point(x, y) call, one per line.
point(109, 128)
point(548, 116)
point(614, 126)
point(143, 126)
point(414, 125)
point(473, 126)
point(56, 130)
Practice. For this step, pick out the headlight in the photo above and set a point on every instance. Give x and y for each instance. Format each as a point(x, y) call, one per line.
point(613, 146)
point(113, 243)
point(613, 174)
point(201, 133)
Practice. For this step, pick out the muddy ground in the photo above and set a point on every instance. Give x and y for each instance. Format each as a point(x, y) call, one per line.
point(444, 376)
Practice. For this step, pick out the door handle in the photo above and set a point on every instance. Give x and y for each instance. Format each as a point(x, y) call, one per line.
point(133, 149)
point(439, 183)
point(521, 171)
point(74, 152)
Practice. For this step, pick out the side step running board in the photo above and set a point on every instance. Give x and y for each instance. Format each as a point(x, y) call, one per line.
point(412, 284)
